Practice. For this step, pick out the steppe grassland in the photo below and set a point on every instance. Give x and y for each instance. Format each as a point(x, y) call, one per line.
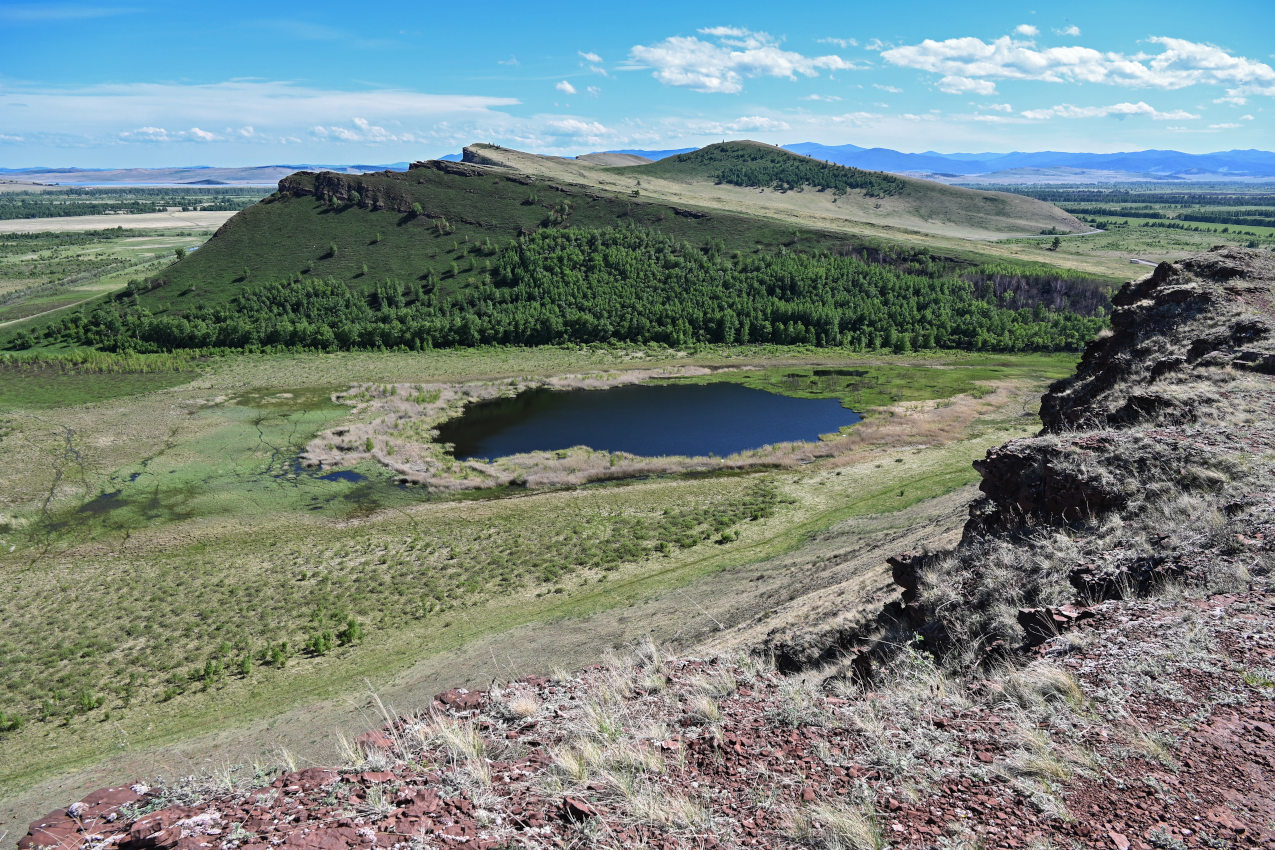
point(239, 553)
point(937, 220)
point(48, 270)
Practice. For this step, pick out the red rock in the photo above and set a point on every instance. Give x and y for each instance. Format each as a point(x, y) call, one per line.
point(51, 832)
point(576, 810)
point(1119, 840)
point(459, 699)
point(375, 740)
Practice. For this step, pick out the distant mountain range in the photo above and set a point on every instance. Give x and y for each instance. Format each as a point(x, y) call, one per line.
point(985, 168)
point(1041, 166)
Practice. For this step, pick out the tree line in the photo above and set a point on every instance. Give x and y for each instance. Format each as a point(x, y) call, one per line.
point(633, 286)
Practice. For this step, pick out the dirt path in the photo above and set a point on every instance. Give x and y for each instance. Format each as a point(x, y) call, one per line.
point(849, 570)
point(47, 312)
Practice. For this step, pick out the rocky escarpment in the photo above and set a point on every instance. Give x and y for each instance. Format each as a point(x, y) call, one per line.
point(1116, 571)
point(1153, 465)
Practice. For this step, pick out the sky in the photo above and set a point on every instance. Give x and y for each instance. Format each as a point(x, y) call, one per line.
point(148, 84)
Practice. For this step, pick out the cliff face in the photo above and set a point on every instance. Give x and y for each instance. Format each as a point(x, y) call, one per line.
point(1153, 464)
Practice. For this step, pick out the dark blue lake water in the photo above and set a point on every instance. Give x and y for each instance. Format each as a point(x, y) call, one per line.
point(642, 419)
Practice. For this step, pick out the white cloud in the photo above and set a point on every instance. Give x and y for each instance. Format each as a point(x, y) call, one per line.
point(843, 43)
point(830, 98)
point(364, 131)
point(1233, 99)
point(590, 57)
point(240, 112)
point(875, 44)
point(5, 137)
point(1027, 30)
point(159, 134)
point(1247, 118)
point(575, 131)
point(743, 124)
point(565, 87)
point(1000, 107)
point(1071, 29)
point(1227, 126)
point(261, 104)
point(593, 91)
point(1118, 110)
point(1180, 63)
point(723, 66)
point(890, 89)
point(512, 60)
point(576, 127)
point(964, 85)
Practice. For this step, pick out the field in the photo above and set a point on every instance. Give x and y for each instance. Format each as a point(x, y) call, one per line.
point(1154, 222)
point(48, 271)
point(122, 201)
point(232, 576)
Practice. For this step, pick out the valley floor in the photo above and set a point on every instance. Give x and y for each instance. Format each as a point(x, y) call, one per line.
point(176, 510)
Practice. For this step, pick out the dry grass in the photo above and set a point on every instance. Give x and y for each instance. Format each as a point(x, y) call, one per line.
point(837, 826)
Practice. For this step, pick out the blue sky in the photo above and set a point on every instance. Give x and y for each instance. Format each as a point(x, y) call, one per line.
point(240, 83)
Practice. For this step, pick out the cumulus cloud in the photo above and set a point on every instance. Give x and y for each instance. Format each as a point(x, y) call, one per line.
point(565, 87)
point(363, 131)
point(1179, 63)
point(160, 134)
point(1000, 107)
point(743, 124)
point(571, 130)
point(1027, 30)
point(965, 85)
point(1071, 29)
point(722, 65)
point(843, 43)
point(1117, 110)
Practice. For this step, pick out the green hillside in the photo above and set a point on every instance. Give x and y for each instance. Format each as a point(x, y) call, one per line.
point(467, 215)
point(457, 254)
point(751, 164)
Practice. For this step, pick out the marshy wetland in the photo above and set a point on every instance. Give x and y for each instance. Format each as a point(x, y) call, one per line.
point(183, 506)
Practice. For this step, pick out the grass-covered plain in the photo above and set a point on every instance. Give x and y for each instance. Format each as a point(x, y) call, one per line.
point(1156, 222)
point(167, 566)
point(42, 273)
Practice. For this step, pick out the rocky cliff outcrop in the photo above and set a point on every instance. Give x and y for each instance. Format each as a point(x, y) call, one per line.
point(1153, 464)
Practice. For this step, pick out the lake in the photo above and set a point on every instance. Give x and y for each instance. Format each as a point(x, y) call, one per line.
point(642, 419)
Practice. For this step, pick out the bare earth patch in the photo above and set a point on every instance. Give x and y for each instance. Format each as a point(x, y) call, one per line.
point(396, 426)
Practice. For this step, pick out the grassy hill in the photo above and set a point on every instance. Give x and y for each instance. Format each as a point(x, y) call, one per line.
point(467, 214)
point(453, 254)
point(942, 218)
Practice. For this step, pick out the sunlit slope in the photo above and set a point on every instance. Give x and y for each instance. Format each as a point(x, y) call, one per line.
point(441, 224)
point(918, 206)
